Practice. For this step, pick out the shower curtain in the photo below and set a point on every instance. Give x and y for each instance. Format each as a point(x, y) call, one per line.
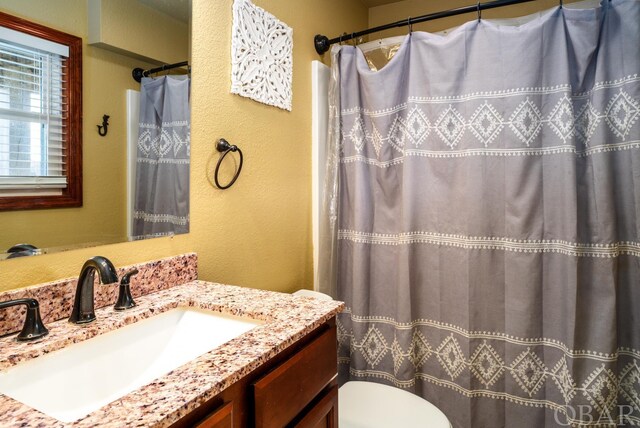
point(162, 168)
point(481, 219)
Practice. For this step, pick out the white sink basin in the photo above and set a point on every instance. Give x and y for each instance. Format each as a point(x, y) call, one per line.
point(71, 383)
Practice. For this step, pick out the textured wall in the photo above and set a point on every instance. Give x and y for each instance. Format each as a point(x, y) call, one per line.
point(257, 233)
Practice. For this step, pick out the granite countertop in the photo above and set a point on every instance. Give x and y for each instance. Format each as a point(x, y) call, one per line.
point(170, 397)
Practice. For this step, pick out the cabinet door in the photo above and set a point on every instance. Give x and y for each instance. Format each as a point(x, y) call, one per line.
point(221, 418)
point(324, 414)
point(283, 393)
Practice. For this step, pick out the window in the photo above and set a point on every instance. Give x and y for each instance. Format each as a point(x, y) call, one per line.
point(40, 116)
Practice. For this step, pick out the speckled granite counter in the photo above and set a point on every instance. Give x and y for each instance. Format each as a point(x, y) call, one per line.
point(170, 397)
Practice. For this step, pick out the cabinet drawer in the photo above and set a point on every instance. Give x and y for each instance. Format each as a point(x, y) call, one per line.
point(281, 394)
point(221, 418)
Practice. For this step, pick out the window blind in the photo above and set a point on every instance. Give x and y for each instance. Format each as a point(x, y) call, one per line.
point(33, 110)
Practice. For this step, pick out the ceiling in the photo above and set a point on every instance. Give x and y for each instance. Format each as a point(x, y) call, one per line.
point(181, 9)
point(373, 3)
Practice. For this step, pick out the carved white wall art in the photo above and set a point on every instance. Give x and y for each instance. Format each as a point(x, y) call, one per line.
point(261, 56)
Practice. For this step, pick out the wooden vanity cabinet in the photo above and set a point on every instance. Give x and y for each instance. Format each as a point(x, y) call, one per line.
point(296, 388)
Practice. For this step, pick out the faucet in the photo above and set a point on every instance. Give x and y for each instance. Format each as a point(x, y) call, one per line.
point(21, 250)
point(83, 305)
point(33, 327)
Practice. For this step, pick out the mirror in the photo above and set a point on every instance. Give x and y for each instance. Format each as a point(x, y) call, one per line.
point(118, 169)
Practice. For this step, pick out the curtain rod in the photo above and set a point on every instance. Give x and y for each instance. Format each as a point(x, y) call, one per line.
point(139, 73)
point(322, 43)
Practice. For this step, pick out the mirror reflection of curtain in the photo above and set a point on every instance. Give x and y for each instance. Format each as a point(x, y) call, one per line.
point(162, 173)
point(484, 200)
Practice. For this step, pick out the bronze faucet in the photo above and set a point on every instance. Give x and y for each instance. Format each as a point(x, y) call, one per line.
point(83, 307)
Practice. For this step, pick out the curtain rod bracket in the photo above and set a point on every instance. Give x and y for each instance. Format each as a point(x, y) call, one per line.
point(321, 43)
point(137, 74)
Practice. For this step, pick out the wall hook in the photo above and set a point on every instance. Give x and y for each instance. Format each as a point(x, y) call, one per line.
point(102, 130)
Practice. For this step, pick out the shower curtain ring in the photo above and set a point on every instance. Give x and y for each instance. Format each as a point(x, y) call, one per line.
point(561, 4)
point(353, 37)
point(410, 24)
point(479, 11)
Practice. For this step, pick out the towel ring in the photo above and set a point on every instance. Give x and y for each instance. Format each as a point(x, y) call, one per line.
point(224, 147)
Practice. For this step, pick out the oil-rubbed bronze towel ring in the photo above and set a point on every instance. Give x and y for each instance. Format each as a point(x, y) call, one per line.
point(224, 147)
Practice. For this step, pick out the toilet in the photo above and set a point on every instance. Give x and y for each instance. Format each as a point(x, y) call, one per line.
point(373, 405)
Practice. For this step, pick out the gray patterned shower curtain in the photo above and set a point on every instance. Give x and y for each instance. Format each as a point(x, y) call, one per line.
point(164, 150)
point(485, 199)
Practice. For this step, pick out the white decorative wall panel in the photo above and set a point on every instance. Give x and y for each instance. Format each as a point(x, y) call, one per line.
point(261, 56)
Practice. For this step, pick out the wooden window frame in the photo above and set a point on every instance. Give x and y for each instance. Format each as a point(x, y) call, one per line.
point(71, 196)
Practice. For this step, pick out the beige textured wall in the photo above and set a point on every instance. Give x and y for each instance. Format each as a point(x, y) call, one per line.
point(257, 233)
point(386, 14)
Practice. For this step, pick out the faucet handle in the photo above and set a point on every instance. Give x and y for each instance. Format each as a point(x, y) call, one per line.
point(125, 300)
point(33, 326)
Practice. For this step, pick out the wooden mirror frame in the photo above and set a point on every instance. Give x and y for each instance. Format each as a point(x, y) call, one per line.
point(72, 118)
